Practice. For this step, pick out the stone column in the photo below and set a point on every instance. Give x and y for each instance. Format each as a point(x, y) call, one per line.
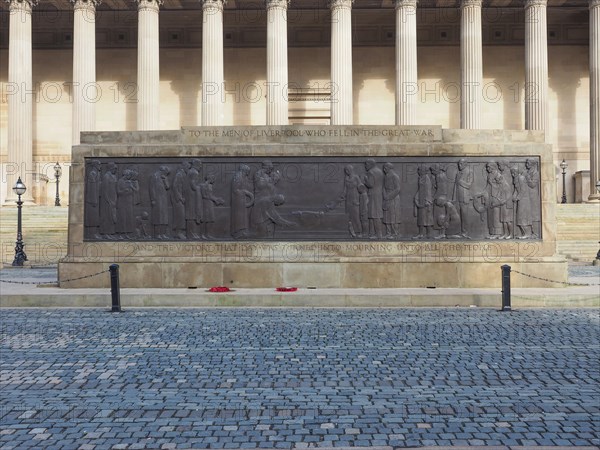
point(341, 62)
point(20, 99)
point(536, 65)
point(84, 67)
point(594, 98)
point(148, 68)
point(406, 62)
point(471, 64)
point(212, 62)
point(277, 62)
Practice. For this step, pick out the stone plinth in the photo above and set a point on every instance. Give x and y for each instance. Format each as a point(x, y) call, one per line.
point(581, 179)
point(442, 258)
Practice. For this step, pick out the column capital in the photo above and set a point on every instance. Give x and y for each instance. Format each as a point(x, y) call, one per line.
point(470, 3)
point(213, 4)
point(594, 4)
point(149, 5)
point(283, 4)
point(405, 4)
point(538, 3)
point(334, 4)
point(85, 4)
point(21, 5)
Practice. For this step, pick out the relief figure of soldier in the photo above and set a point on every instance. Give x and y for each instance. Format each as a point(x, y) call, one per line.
point(351, 199)
point(242, 199)
point(265, 180)
point(423, 202)
point(462, 194)
point(363, 198)
point(440, 185)
point(92, 200)
point(506, 208)
point(178, 196)
point(209, 200)
point(391, 201)
point(126, 197)
point(490, 200)
point(533, 182)
point(373, 180)
point(194, 209)
point(108, 202)
point(192, 175)
point(447, 219)
point(522, 200)
point(159, 200)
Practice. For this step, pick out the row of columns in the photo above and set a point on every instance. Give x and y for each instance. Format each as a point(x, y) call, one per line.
point(84, 69)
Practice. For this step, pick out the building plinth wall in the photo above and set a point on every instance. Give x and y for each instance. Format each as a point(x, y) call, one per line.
point(177, 261)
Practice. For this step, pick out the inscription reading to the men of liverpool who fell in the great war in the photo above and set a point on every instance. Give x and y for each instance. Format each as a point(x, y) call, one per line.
point(311, 132)
point(310, 198)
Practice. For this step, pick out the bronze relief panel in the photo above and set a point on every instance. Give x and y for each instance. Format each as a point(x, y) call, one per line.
point(312, 198)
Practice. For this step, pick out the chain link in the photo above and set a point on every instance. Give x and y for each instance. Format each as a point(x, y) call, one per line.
point(61, 281)
point(553, 281)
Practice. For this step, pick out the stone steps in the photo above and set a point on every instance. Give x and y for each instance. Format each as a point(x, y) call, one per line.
point(44, 233)
point(578, 250)
point(578, 230)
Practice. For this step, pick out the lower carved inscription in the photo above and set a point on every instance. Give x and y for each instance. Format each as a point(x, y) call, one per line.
point(289, 198)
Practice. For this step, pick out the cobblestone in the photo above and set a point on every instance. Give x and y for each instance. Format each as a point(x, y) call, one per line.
point(279, 378)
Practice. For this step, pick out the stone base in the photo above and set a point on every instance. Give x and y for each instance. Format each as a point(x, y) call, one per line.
point(155, 273)
point(48, 297)
point(325, 262)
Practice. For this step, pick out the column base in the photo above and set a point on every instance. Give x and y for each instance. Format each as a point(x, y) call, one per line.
point(593, 198)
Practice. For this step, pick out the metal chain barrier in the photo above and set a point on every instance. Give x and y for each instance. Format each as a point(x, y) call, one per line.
point(47, 282)
point(553, 281)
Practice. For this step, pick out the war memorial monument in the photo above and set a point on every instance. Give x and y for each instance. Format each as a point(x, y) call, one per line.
point(330, 206)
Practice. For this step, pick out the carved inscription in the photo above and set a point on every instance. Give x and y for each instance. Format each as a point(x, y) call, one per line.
point(321, 199)
point(350, 132)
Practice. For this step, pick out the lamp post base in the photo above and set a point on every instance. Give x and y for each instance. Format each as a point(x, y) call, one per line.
point(19, 260)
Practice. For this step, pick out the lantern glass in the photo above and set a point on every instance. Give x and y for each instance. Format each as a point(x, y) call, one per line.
point(563, 165)
point(57, 170)
point(19, 187)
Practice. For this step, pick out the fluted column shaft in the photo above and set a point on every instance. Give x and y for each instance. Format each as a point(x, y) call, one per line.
point(536, 65)
point(212, 62)
point(406, 62)
point(341, 62)
point(277, 62)
point(594, 98)
point(471, 64)
point(148, 70)
point(20, 119)
point(84, 68)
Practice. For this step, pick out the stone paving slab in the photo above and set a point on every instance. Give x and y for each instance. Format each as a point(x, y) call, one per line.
point(30, 295)
point(299, 378)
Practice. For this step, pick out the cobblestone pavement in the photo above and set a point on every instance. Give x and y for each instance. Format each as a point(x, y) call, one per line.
point(283, 378)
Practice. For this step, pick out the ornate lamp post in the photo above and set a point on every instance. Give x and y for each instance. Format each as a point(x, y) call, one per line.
point(57, 174)
point(563, 166)
point(20, 256)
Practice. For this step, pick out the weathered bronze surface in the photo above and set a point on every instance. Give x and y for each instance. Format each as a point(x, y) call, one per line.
point(312, 198)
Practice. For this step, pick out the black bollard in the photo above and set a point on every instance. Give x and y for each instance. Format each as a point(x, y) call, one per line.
point(115, 290)
point(505, 287)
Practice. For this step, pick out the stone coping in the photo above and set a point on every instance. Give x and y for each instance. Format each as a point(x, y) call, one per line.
point(312, 134)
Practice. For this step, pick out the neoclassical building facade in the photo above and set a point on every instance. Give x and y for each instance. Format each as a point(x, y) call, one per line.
point(68, 66)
